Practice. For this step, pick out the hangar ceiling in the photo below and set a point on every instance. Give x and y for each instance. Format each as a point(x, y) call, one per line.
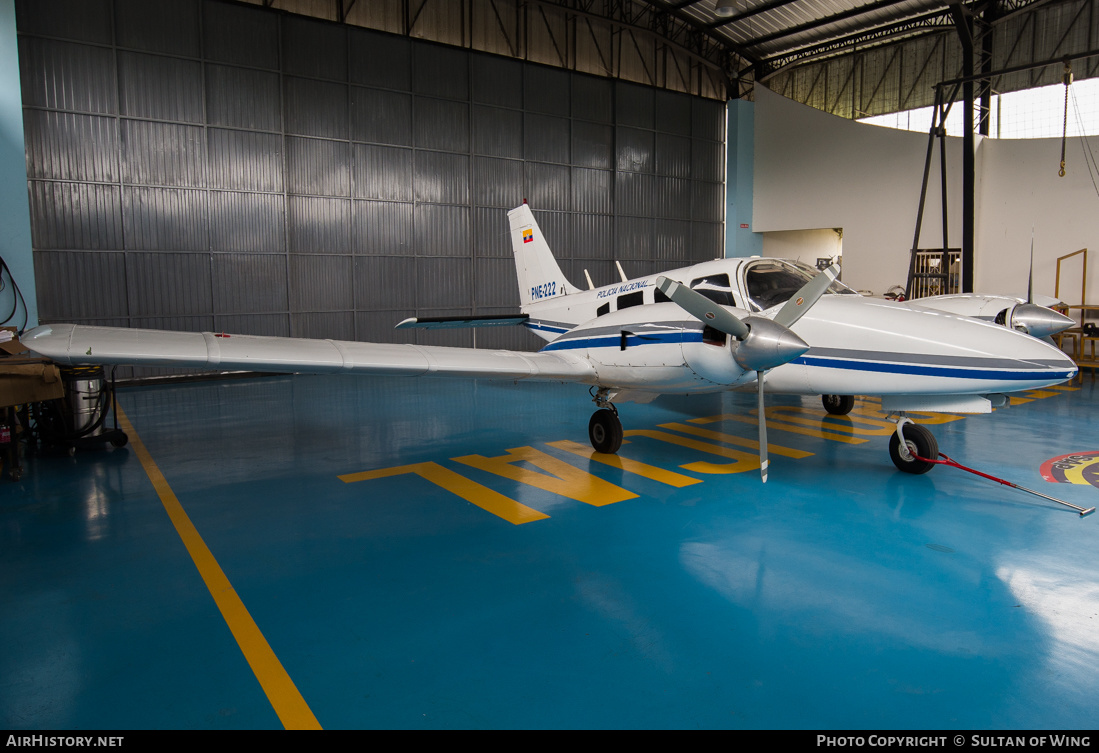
point(849, 57)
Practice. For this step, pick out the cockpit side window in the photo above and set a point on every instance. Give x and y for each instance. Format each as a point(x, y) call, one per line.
point(772, 283)
point(716, 288)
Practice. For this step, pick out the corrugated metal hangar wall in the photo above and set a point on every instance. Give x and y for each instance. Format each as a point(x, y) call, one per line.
point(204, 165)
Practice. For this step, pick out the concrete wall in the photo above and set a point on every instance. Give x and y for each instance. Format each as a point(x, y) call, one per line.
point(740, 240)
point(1022, 191)
point(814, 170)
point(805, 245)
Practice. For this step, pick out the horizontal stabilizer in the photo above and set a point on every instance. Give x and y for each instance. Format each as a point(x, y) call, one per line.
point(457, 322)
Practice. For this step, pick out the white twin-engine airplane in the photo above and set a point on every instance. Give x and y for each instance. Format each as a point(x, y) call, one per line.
point(705, 328)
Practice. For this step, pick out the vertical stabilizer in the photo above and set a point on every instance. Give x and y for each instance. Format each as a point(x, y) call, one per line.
point(540, 278)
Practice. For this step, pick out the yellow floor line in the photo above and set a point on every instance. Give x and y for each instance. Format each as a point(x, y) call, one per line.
point(291, 708)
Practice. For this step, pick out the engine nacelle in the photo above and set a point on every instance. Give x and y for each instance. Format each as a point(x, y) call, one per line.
point(1032, 319)
point(712, 359)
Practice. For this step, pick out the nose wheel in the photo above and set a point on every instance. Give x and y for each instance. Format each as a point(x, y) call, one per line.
point(918, 443)
point(605, 430)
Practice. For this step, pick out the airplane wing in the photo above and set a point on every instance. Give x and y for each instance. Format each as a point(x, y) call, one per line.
point(72, 344)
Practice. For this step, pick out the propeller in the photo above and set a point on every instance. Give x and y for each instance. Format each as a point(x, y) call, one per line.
point(1030, 276)
point(1039, 321)
point(763, 343)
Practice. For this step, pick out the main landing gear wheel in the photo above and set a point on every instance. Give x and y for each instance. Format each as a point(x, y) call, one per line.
point(918, 441)
point(605, 431)
point(838, 405)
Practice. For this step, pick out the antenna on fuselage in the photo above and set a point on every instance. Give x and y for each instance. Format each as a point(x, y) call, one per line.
point(591, 285)
point(621, 273)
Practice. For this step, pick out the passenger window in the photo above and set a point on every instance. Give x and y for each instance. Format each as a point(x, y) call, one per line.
point(716, 288)
point(631, 299)
point(604, 309)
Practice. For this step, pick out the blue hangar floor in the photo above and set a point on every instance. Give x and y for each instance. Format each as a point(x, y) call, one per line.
point(385, 553)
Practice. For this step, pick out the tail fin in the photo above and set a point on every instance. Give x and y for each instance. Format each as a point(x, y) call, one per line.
point(540, 278)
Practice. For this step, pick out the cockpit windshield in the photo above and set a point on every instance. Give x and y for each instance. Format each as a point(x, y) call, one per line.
point(773, 281)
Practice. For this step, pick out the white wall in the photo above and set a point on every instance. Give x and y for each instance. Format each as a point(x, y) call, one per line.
point(1022, 191)
point(814, 170)
point(806, 245)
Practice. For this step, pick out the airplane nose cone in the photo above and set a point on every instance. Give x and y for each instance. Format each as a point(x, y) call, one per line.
point(767, 345)
point(1039, 321)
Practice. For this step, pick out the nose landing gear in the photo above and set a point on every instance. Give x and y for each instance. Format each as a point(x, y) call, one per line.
point(604, 428)
point(912, 447)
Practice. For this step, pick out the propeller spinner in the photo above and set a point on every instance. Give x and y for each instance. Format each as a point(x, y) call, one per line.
point(763, 343)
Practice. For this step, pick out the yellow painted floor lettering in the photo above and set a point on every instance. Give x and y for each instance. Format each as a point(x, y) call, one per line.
point(773, 449)
point(455, 483)
point(818, 433)
point(870, 409)
point(671, 478)
point(848, 425)
point(292, 710)
point(1040, 393)
point(566, 480)
point(741, 461)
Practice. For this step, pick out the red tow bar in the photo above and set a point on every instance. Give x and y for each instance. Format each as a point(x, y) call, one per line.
point(948, 461)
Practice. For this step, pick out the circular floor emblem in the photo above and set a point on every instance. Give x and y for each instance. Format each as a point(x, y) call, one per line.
point(1077, 468)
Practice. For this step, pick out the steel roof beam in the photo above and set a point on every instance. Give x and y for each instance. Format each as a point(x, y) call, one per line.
point(748, 13)
point(810, 25)
point(928, 23)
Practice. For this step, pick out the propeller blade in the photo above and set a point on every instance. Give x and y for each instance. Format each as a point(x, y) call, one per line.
point(763, 343)
point(803, 300)
point(702, 308)
point(763, 462)
point(1030, 277)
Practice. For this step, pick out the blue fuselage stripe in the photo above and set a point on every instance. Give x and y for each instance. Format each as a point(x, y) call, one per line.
point(935, 371)
point(667, 338)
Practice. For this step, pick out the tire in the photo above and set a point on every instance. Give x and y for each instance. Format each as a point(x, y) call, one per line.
point(838, 405)
point(920, 441)
point(605, 431)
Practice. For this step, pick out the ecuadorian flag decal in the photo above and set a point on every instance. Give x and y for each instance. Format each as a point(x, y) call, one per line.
point(528, 235)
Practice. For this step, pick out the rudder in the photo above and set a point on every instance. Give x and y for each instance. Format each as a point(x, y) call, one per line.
point(539, 276)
